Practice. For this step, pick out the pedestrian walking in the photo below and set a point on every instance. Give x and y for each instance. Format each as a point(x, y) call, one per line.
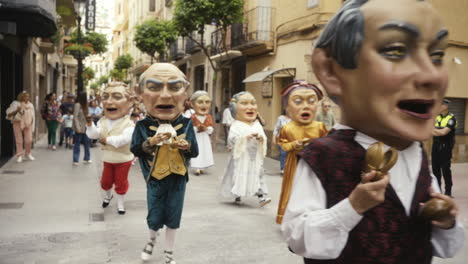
point(300, 100)
point(282, 120)
point(164, 142)
point(114, 131)
point(244, 175)
point(442, 146)
point(325, 115)
point(80, 116)
point(53, 117)
point(21, 115)
point(66, 105)
point(68, 128)
point(227, 121)
point(382, 61)
point(203, 124)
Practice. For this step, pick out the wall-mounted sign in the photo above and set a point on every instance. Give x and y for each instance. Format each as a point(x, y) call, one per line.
point(90, 15)
point(267, 89)
point(312, 3)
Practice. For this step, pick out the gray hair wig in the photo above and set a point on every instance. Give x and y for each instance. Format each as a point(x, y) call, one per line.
point(343, 35)
point(197, 94)
point(233, 103)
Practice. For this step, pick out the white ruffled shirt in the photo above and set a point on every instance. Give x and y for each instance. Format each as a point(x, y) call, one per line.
point(94, 131)
point(313, 231)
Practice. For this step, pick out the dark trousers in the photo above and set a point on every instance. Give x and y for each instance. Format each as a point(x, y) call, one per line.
point(81, 138)
point(441, 162)
point(226, 134)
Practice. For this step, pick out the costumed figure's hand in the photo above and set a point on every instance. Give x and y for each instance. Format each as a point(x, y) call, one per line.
point(158, 138)
point(181, 144)
point(441, 210)
point(103, 141)
point(369, 193)
point(301, 143)
point(201, 128)
point(252, 136)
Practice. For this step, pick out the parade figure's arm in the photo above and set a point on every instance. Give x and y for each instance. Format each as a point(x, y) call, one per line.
point(308, 227)
point(284, 142)
point(140, 145)
point(192, 152)
point(93, 131)
point(122, 139)
point(446, 242)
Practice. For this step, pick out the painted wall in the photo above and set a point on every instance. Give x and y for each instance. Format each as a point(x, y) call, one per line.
point(295, 55)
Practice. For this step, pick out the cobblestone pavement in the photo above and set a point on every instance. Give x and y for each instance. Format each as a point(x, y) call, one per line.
point(50, 212)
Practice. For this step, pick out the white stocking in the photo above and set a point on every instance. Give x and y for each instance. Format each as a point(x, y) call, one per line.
point(170, 239)
point(153, 234)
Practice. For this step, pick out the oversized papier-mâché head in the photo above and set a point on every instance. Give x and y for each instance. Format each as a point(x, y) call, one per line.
point(300, 101)
point(383, 63)
point(244, 107)
point(116, 100)
point(201, 102)
point(163, 90)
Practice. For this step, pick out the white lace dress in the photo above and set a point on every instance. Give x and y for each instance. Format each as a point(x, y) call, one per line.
point(244, 175)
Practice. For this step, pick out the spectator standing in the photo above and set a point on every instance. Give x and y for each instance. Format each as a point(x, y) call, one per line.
point(282, 120)
point(65, 106)
point(442, 146)
point(53, 118)
point(227, 121)
point(325, 115)
point(80, 114)
point(68, 128)
point(21, 115)
point(95, 111)
point(188, 110)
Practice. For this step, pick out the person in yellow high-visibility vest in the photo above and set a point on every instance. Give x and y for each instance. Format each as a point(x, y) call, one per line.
point(443, 142)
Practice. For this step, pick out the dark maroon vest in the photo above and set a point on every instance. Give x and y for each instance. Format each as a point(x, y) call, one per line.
point(385, 235)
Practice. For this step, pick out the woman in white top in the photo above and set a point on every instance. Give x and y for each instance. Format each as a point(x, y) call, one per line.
point(21, 115)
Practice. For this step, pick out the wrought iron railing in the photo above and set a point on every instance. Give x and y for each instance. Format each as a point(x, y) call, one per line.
point(190, 45)
point(257, 27)
point(177, 49)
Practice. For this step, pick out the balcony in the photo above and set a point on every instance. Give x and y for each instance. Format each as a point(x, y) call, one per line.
point(191, 46)
point(255, 35)
point(46, 45)
point(177, 49)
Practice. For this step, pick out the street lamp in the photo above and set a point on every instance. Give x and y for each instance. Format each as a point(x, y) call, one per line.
point(77, 4)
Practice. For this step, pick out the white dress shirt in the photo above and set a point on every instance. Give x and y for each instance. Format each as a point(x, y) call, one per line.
point(313, 231)
point(93, 132)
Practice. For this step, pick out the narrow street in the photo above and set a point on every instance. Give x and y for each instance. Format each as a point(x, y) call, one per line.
point(50, 212)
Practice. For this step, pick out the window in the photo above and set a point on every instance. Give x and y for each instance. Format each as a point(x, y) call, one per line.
point(152, 5)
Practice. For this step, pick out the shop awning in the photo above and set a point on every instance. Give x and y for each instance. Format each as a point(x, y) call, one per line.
point(31, 18)
point(268, 75)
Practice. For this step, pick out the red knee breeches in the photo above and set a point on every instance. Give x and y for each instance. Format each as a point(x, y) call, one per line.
point(116, 174)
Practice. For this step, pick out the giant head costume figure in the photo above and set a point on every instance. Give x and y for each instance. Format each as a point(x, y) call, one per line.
point(201, 102)
point(300, 101)
point(116, 100)
point(382, 62)
point(163, 90)
point(244, 107)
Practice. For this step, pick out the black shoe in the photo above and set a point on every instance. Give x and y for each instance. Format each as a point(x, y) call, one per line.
point(121, 211)
point(106, 201)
